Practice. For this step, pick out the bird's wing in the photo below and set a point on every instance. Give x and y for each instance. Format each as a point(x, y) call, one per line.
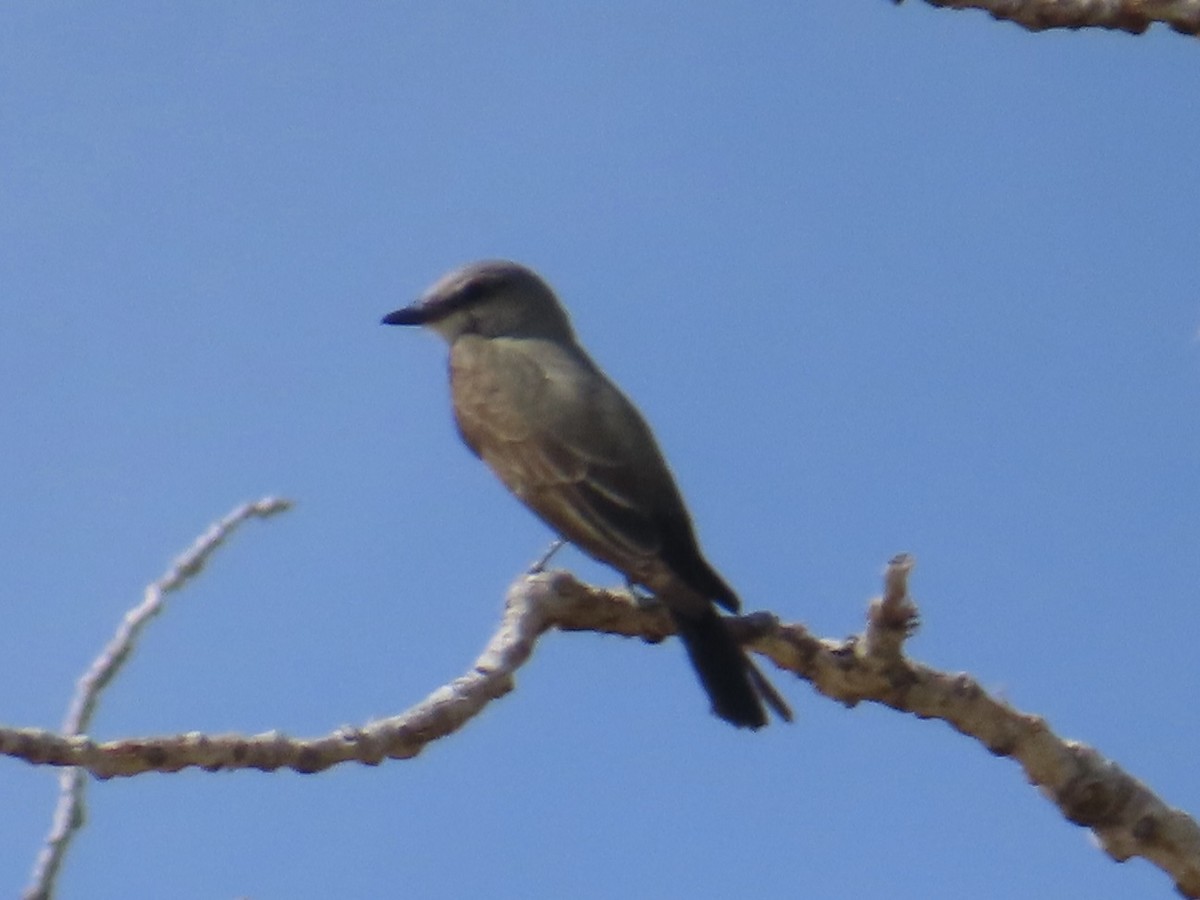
point(568, 444)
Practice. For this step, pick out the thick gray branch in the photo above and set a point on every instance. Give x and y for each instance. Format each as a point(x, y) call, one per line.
point(1124, 814)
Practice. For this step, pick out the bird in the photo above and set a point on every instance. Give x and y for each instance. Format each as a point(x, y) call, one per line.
point(565, 440)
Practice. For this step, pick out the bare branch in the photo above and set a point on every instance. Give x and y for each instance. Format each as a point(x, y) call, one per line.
point(1126, 817)
point(1133, 16)
point(1090, 790)
point(530, 602)
point(70, 813)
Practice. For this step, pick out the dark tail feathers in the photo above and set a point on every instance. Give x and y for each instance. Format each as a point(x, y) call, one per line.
point(734, 684)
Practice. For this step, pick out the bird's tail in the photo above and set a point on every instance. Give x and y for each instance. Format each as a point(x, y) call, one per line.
point(734, 684)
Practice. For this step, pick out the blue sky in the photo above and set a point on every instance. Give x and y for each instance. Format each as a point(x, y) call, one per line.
point(883, 278)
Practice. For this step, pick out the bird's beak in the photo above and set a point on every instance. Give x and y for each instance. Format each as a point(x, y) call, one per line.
point(414, 314)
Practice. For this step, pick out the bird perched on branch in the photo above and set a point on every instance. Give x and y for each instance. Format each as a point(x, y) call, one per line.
point(530, 403)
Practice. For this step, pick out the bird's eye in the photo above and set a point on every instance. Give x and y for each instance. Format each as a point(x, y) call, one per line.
point(468, 294)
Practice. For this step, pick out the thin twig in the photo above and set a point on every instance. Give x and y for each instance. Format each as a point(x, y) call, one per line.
point(70, 811)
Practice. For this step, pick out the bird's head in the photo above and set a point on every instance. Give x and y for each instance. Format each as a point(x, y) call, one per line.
point(494, 298)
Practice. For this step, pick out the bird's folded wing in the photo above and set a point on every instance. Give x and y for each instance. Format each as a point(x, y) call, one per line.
point(550, 441)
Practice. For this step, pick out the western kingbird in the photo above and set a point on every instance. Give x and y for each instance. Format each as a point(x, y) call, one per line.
point(530, 403)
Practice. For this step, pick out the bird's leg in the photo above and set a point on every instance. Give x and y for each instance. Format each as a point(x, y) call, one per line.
point(642, 597)
point(542, 561)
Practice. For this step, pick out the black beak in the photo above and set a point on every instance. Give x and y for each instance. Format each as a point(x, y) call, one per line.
point(416, 314)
